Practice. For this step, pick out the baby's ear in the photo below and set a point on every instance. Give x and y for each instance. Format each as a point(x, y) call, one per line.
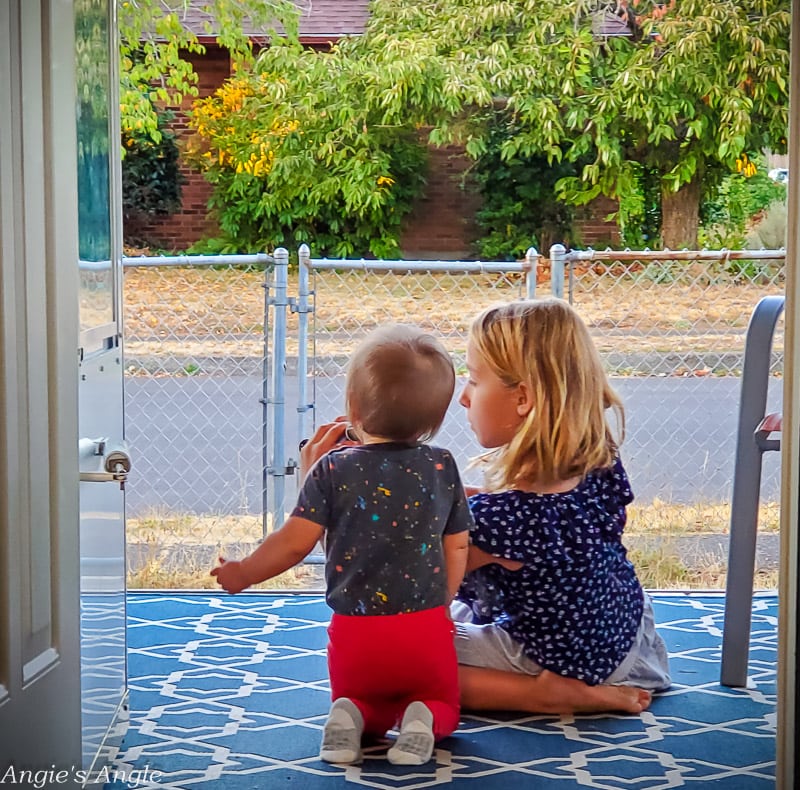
point(524, 399)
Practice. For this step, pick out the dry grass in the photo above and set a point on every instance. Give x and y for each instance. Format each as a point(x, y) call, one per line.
point(664, 518)
point(178, 550)
point(194, 575)
point(660, 567)
point(221, 312)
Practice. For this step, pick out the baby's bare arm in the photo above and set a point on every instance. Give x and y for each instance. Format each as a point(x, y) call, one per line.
point(281, 550)
point(456, 548)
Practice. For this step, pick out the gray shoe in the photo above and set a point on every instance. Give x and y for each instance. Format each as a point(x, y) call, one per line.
point(414, 744)
point(341, 737)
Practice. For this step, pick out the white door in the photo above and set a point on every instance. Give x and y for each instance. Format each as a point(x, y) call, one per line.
point(39, 561)
point(62, 563)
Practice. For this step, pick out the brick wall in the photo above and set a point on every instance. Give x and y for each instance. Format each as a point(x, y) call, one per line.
point(182, 229)
point(442, 224)
point(592, 228)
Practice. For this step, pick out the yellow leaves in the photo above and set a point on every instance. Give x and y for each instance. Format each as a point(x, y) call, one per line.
point(385, 181)
point(746, 166)
point(237, 131)
point(255, 165)
point(232, 95)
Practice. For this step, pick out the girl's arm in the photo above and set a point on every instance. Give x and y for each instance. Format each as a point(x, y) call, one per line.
point(281, 550)
point(478, 558)
point(455, 547)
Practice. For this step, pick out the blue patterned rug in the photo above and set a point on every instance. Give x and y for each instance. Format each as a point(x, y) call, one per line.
point(232, 692)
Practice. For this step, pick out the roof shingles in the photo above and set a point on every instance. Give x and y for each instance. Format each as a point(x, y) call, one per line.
point(320, 20)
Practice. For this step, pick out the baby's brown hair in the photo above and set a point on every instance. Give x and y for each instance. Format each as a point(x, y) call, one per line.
point(400, 381)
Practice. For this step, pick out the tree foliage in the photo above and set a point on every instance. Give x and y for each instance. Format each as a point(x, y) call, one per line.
point(519, 206)
point(156, 45)
point(291, 163)
point(692, 87)
point(696, 84)
point(151, 178)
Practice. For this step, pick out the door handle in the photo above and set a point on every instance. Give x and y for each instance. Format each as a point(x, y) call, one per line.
point(113, 461)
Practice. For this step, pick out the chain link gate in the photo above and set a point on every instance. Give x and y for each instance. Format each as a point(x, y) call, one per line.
point(199, 383)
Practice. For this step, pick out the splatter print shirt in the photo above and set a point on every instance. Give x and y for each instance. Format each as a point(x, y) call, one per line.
point(576, 603)
point(385, 508)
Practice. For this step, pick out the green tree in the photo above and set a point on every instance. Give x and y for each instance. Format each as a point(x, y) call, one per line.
point(295, 155)
point(155, 48)
point(694, 86)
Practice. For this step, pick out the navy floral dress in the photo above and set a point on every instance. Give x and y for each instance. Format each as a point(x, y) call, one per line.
point(576, 604)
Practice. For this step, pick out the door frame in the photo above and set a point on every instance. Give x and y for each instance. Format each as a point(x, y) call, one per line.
point(787, 772)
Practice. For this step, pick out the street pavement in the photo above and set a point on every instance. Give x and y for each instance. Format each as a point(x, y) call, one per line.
point(196, 442)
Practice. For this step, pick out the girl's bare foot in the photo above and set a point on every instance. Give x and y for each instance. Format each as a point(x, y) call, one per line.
point(493, 689)
point(574, 696)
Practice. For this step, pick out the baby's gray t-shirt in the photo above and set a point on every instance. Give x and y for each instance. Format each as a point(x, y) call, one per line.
point(385, 508)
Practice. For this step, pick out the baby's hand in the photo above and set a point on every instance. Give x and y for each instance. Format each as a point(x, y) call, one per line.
point(230, 576)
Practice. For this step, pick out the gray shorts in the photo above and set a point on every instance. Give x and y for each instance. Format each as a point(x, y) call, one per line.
point(646, 666)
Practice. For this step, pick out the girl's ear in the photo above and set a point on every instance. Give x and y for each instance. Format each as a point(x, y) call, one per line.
point(524, 399)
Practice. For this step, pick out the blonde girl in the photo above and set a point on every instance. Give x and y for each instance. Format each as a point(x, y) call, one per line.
point(551, 613)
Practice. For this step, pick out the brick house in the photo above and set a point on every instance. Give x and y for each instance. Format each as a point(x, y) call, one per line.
point(442, 224)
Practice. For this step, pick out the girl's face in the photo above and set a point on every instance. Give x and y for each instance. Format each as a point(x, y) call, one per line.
point(495, 411)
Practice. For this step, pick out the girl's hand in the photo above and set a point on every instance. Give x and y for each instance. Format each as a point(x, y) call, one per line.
point(327, 436)
point(230, 576)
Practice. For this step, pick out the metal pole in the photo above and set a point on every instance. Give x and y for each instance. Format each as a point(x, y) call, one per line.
point(557, 255)
point(303, 309)
point(277, 468)
point(265, 422)
point(532, 266)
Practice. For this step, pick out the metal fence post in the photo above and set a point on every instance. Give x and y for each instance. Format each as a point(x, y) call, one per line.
point(277, 398)
point(265, 405)
point(303, 310)
point(532, 267)
point(557, 254)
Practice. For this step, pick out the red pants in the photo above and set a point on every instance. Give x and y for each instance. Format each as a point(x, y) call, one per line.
point(383, 663)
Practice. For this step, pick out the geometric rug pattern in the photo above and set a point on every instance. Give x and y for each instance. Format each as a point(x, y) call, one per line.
point(231, 692)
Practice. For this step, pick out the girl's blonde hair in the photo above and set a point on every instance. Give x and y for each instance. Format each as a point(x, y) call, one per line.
point(545, 345)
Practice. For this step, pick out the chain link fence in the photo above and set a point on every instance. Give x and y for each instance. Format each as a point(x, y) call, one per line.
point(670, 327)
point(217, 398)
point(351, 298)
